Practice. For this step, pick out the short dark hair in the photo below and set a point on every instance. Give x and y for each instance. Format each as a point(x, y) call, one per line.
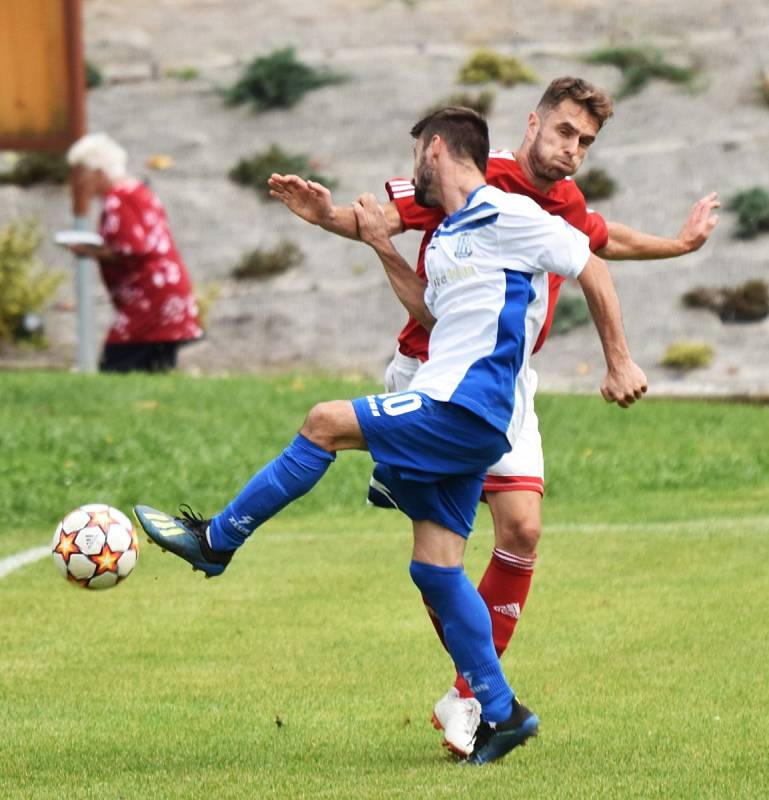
point(465, 132)
point(596, 101)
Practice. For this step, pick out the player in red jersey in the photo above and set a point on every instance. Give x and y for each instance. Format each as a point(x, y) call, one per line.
point(558, 135)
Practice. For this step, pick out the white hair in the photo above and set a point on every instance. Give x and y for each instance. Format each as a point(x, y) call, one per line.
point(99, 151)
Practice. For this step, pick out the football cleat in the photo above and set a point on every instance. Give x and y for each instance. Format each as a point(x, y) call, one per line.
point(184, 536)
point(494, 740)
point(458, 718)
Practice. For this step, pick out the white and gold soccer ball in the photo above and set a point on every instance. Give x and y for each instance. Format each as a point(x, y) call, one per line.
point(95, 546)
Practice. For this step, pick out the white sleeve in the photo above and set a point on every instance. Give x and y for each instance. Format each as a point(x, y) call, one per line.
point(565, 250)
point(531, 240)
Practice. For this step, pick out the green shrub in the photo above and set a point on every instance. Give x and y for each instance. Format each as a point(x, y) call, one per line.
point(484, 66)
point(752, 207)
point(25, 284)
point(639, 65)
point(261, 263)
point(482, 102)
point(277, 81)
point(702, 297)
point(596, 184)
point(31, 168)
point(571, 312)
point(746, 303)
point(256, 170)
point(687, 356)
point(93, 76)
point(183, 73)
point(206, 297)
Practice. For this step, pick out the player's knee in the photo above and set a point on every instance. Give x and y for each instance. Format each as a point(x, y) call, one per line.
point(518, 536)
point(319, 426)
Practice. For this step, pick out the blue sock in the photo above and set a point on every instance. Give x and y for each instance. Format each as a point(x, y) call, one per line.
point(467, 633)
point(293, 473)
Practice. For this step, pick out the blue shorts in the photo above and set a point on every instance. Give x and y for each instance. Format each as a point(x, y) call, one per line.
point(431, 456)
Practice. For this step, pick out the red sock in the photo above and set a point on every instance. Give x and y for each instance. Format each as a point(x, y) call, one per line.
point(504, 588)
point(436, 622)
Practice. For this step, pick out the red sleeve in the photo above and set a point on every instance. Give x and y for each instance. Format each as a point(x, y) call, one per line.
point(413, 216)
point(123, 227)
point(596, 230)
point(576, 213)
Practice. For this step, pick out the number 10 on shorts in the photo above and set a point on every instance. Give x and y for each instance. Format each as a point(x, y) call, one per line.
point(395, 404)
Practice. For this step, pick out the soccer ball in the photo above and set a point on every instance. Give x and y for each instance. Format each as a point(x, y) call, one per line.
point(95, 546)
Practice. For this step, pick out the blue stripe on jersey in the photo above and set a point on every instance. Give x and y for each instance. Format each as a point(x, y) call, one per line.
point(488, 387)
point(470, 198)
point(470, 226)
point(465, 213)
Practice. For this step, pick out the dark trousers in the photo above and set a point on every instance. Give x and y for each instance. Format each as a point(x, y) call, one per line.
point(145, 356)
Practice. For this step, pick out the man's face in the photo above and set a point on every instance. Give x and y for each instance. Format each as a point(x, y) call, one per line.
point(424, 174)
point(560, 140)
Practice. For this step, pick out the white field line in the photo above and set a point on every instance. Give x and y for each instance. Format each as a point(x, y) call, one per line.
point(14, 562)
point(707, 526)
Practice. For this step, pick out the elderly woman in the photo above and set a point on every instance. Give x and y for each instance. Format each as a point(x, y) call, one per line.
point(141, 268)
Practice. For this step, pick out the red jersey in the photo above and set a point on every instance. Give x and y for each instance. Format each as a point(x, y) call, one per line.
point(147, 282)
point(564, 199)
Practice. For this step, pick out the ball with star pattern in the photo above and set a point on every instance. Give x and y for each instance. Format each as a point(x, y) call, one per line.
point(95, 546)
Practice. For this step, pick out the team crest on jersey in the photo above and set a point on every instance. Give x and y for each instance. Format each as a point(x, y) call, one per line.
point(464, 248)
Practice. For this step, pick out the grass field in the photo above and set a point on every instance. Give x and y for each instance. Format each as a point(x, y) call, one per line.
point(310, 669)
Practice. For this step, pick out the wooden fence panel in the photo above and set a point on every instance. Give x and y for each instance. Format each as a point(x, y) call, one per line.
point(42, 81)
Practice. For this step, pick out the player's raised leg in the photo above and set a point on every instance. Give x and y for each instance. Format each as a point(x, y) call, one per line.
point(209, 544)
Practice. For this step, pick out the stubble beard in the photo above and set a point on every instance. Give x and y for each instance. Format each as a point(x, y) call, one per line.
point(540, 167)
point(422, 183)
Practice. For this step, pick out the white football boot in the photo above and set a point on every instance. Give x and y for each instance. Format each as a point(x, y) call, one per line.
point(459, 718)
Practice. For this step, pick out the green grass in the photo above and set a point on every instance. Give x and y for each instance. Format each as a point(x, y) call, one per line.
point(310, 669)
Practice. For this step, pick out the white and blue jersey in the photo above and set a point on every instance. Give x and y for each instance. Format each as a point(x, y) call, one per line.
point(486, 268)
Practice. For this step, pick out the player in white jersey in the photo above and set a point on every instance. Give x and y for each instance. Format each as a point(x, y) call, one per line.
point(567, 119)
point(437, 440)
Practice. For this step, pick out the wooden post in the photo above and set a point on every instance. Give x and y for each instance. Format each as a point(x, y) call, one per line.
point(42, 107)
point(42, 75)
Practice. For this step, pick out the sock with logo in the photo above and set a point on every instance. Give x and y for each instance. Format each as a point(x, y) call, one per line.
point(293, 473)
point(504, 588)
point(467, 634)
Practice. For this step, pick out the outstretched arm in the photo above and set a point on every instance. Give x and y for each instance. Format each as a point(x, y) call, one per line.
point(312, 202)
point(98, 252)
point(625, 381)
point(372, 225)
point(628, 243)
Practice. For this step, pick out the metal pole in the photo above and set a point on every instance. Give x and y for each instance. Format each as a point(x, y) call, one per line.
point(84, 270)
